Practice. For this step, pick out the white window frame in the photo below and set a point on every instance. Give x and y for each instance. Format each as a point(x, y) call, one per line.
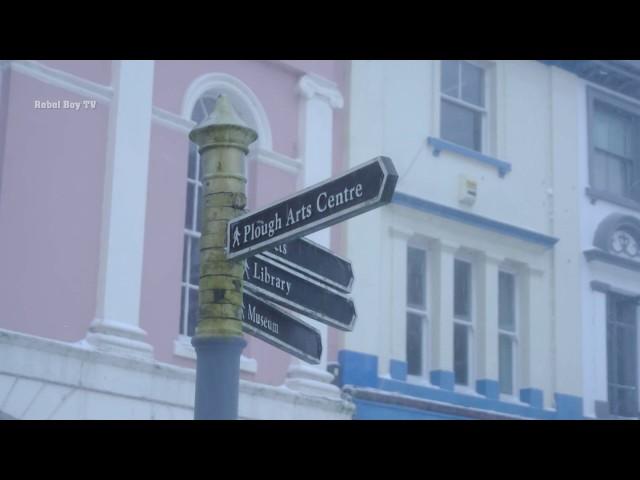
point(485, 122)
point(469, 324)
point(424, 313)
point(615, 101)
point(515, 338)
point(619, 294)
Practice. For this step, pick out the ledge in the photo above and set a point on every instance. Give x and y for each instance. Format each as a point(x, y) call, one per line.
point(595, 195)
point(182, 348)
point(598, 255)
point(478, 221)
point(440, 145)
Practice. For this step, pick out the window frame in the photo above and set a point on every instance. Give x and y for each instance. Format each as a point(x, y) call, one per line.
point(616, 297)
point(483, 111)
point(629, 107)
point(514, 335)
point(420, 311)
point(468, 323)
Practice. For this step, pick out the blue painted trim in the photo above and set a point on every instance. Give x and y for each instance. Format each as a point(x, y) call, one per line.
point(532, 396)
point(368, 410)
point(357, 369)
point(443, 145)
point(569, 407)
point(443, 379)
point(488, 388)
point(463, 400)
point(427, 206)
point(361, 370)
point(398, 370)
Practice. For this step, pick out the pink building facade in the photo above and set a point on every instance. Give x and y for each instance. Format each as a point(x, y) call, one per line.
point(99, 195)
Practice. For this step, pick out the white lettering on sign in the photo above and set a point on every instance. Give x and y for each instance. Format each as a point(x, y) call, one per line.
point(263, 275)
point(261, 320)
point(325, 201)
point(262, 229)
point(281, 248)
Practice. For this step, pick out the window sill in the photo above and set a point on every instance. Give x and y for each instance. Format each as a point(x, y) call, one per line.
point(595, 195)
point(440, 145)
point(512, 399)
point(182, 348)
point(466, 390)
point(421, 381)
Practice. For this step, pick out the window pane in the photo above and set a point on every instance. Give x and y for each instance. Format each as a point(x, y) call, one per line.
point(626, 312)
point(505, 364)
point(461, 354)
point(626, 356)
point(627, 402)
point(188, 218)
point(462, 289)
point(193, 153)
point(617, 176)
point(472, 84)
point(199, 209)
point(198, 114)
point(183, 292)
point(416, 277)
point(414, 343)
point(209, 104)
point(194, 276)
point(599, 174)
point(193, 311)
point(613, 130)
point(185, 258)
point(506, 301)
point(461, 125)
point(449, 78)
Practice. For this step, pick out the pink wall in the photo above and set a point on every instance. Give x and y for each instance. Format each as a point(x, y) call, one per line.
point(98, 71)
point(274, 83)
point(50, 211)
point(162, 263)
point(51, 175)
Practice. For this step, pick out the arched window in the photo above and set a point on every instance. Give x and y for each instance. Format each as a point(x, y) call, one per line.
point(619, 235)
point(245, 105)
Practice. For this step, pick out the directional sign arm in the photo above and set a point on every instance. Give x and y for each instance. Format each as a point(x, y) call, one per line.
point(315, 261)
point(299, 293)
point(357, 191)
point(263, 320)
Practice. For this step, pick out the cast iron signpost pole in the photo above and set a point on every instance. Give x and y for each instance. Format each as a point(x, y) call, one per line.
point(223, 140)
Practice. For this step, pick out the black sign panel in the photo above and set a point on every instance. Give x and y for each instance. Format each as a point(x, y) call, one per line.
point(299, 293)
point(315, 261)
point(359, 190)
point(273, 325)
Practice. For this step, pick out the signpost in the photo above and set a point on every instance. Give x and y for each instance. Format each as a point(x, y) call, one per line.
point(293, 272)
point(299, 293)
point(357, 191)
point(273, 325)
point(315, 261)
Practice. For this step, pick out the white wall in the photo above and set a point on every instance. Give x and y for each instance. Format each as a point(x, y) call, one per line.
point(395, 107)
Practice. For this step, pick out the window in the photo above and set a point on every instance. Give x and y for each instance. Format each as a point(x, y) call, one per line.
point(507, 339)
point(614, 141)
point(462, 327)
point(462, 110)
point(416, 311)
point(191, 250)
point(622, 355)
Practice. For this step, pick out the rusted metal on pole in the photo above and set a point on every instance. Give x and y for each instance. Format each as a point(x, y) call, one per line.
point(223, 140)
